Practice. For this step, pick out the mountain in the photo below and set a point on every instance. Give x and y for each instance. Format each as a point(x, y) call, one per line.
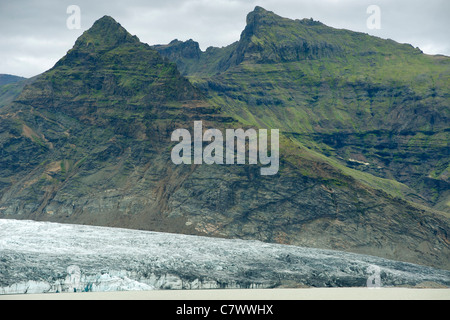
point(38, 257)
point(370, 104)
point(89, 142)
point(10, 87)
point(7, 79)
point(97, 117)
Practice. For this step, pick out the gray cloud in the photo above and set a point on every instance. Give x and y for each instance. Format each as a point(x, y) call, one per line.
point(34, 34)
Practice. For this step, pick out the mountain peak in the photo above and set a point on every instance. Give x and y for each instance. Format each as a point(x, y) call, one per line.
point(107, 20)
point(259, 9)
point(106, 24)
point(261, 15)
point(105, 33)
point(269, 37)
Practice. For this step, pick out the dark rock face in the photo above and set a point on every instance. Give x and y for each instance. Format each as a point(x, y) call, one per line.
point(88, 142)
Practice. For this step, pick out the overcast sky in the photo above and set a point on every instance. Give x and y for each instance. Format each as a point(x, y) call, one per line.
point(34, 33)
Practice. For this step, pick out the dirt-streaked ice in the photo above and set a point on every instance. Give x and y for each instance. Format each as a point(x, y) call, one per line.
point(39, 257)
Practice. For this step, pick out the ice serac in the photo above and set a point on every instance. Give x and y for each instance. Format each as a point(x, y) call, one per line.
point(88, 142)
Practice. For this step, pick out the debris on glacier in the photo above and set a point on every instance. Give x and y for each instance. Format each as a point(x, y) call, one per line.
point(43, 257)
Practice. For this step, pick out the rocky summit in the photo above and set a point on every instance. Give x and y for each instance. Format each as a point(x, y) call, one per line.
point(363, 139)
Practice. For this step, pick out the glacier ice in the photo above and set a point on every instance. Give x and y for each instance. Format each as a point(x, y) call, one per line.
point(41, 257)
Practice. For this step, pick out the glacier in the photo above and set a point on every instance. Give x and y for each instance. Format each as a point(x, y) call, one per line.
point(44, 257)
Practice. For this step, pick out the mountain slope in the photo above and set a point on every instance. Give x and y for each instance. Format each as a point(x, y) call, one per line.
point(11, 88)
point(370, 104)
point(88, 142)
point(88, 123)
point(8, 78)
